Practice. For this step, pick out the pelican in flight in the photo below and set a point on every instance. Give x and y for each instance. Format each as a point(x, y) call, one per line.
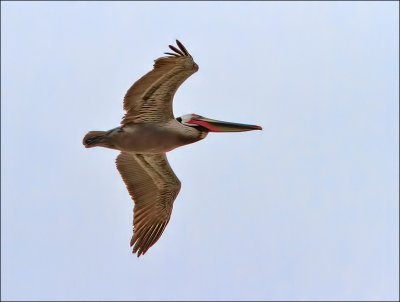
point(148, 131)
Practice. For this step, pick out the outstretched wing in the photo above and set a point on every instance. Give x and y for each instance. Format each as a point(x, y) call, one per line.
point(150, 98)
point(153, 186)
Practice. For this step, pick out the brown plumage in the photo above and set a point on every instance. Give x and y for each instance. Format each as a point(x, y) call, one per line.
point(148, 130)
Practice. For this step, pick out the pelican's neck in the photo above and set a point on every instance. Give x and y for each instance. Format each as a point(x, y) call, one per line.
point(191, 134)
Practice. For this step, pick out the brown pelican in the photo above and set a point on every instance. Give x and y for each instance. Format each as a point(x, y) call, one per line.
point(149, 130)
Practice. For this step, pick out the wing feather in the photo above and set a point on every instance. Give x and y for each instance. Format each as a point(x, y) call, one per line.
point(171, 54)
point(153, 187)
point(176, 50)
point(183, 48)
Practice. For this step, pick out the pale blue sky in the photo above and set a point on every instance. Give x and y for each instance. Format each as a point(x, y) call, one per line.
point(306, 209)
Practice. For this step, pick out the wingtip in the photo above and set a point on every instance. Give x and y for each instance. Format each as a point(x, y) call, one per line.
point(182, 48)
point(171, 54)
point(178, 51)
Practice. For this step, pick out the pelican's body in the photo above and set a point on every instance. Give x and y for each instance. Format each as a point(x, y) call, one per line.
point(151, 138)
point(148, 131)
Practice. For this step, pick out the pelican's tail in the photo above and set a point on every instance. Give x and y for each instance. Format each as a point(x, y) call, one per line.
point(95, 139)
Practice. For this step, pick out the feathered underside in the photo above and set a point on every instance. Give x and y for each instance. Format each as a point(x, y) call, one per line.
point(149, 100)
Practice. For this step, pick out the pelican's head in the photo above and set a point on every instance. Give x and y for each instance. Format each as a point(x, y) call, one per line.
point(210, 125)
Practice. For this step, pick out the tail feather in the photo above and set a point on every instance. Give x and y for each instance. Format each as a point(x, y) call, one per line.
point(94, 138)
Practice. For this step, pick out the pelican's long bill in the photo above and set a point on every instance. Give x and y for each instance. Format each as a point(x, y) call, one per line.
point(220, 126)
